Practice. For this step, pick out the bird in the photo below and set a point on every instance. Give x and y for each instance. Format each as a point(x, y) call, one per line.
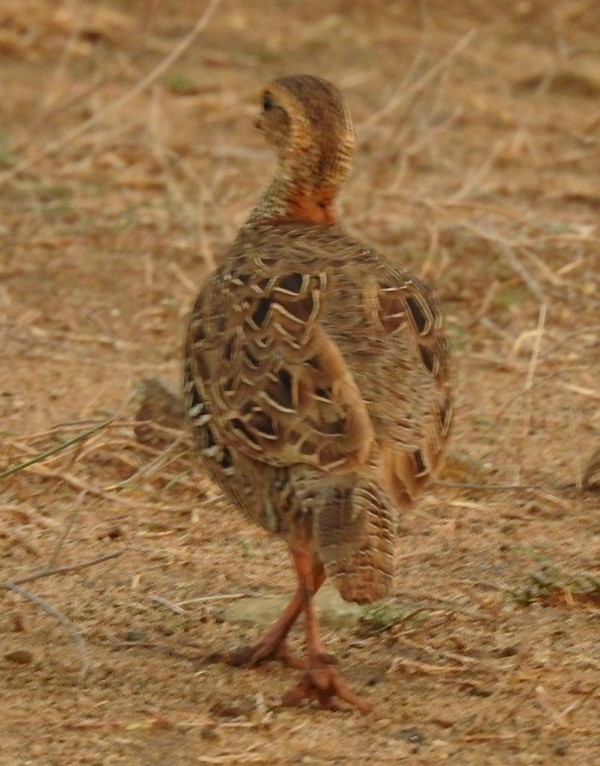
point(317, 380)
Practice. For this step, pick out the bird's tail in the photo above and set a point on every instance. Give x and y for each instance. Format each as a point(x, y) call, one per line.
point(355, 533)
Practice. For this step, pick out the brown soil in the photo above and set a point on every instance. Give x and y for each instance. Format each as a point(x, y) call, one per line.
point(478, 168)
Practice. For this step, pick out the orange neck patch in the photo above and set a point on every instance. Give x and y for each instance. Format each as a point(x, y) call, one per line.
point(307, 209)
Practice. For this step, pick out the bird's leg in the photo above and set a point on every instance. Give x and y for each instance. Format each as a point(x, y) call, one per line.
point(321, 680)
point(273, 644)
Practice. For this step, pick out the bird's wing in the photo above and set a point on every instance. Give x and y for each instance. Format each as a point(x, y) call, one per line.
point(402, 367)
point(264, 377)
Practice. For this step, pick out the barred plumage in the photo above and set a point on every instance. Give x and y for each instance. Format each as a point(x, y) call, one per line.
point(317, 376)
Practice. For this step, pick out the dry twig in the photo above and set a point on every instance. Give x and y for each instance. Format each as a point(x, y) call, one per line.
point(49, 571)
point(64, 621)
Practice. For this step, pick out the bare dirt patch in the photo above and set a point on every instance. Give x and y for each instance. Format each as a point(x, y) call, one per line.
point(478, 168)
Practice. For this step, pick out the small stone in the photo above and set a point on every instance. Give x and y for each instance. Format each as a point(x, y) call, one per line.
point(508, 651)
point(19, 656)
point(209, 732)
point(560, 747)
point(412, 735)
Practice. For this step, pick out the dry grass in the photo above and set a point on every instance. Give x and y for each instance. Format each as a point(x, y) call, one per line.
point(127, 163)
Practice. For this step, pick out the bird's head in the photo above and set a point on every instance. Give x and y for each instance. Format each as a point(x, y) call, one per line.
point(306, 121)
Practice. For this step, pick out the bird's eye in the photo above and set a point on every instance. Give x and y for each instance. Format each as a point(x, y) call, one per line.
point(268, 102)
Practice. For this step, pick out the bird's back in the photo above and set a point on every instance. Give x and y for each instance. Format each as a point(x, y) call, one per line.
point(318, 385)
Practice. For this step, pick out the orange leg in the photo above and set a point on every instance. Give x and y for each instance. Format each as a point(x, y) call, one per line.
point(321, 680)
point(273, 644)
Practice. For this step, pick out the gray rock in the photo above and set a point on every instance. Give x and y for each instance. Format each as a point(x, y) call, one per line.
point(263, 610)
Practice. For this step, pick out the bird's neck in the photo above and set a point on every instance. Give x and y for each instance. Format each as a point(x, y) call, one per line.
point(291, 197)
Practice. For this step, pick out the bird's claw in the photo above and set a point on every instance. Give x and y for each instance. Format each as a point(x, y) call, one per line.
point(265, 650)
point(323, 683)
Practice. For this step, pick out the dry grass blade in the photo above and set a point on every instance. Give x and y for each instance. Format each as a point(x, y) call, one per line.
point(407, 92)
point(505, 250)
point(40, 457)
point(244, 756)
point(139, 87)
point(491, 487)
point(80, 485)
point(65, 533)
point(64, 621)
point(169, 604)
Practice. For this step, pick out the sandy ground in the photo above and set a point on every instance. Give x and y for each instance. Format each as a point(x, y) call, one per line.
point(477, 168)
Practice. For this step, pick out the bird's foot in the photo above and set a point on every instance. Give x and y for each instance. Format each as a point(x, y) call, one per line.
point(267, 649)
point(323, 682)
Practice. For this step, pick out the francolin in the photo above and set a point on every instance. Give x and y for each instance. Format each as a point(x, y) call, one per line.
point(316, 379)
